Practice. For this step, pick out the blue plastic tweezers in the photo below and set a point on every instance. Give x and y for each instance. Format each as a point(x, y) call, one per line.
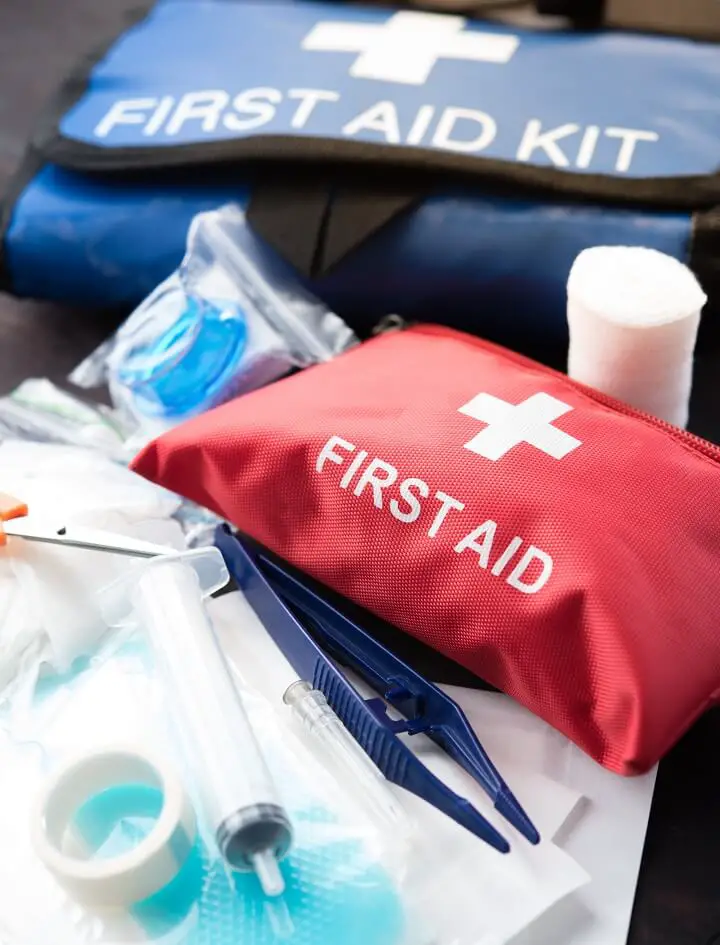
point(287, 607)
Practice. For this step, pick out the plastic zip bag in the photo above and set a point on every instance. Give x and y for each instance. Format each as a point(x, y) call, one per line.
point(335, 874)
point(348, 881)
point(232, 318)
point(38, 410)
point(46, 604)
point(47, 418)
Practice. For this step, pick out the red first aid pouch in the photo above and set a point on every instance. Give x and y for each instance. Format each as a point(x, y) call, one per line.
point(559, 544)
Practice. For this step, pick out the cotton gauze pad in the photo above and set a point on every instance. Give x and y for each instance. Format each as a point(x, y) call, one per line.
point(633, 315)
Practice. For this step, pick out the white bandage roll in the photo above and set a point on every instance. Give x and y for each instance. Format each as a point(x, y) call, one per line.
point(133, 876)
point(633, 315)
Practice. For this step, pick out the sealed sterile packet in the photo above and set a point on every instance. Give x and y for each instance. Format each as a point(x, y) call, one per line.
point(38, 410)
point(233, 317)
point(337, 873)
point(558, 543)
point(47, 611)
point(346, 879)
point(457, 890)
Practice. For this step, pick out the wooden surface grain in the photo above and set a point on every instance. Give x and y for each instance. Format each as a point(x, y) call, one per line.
point(678, 899)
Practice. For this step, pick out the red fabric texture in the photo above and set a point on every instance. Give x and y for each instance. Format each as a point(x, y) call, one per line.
point(576, 569)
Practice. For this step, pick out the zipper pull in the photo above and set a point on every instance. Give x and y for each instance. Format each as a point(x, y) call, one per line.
point(390, 323)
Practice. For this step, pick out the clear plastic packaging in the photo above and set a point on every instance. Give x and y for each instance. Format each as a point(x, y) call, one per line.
point(347, 879)
point(38, 410)
point(232, 318)
point(336, 748)
point(47, 607)
point(334, 874)
point(240, 800)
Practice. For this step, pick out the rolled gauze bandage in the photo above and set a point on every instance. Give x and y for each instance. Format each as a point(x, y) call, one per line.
point(633, 315)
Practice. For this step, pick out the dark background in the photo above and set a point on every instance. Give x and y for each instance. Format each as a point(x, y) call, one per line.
point(678, 899)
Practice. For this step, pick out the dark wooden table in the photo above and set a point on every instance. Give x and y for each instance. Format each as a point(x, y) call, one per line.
point(678, 899)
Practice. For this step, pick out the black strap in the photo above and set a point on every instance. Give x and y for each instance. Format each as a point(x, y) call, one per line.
point(314, 225)
point(705, 263)
point(291, 218)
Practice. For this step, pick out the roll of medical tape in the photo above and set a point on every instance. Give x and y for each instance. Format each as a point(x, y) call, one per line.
point(131, 876)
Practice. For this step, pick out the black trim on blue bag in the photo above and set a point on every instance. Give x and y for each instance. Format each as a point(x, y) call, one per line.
point(341, 191)
point(673, 193)
point(315, 224)
point(77, 81)
point(355, 214)
point(284, 215)
point(30, 166)
point(34, 159)
point(297, 225)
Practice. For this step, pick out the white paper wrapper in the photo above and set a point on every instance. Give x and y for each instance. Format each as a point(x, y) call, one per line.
point(494, 895)
point(46, 591)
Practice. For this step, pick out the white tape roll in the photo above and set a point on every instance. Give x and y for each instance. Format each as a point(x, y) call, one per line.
point(132, 876)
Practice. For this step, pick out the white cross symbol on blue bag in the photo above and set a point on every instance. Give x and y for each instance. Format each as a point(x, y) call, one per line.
point(406, 47)
point(511, 424)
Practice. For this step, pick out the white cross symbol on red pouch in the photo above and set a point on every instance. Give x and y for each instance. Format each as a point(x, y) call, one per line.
point(511, 424)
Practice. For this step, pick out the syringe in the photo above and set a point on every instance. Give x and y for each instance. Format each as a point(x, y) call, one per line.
point(358, 773)
point(239, 798)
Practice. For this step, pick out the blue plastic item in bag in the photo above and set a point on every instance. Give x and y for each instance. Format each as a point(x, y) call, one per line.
point(196, 360)
point(232, 318)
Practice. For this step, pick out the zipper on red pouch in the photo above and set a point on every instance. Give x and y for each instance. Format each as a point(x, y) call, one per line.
point(710, 450)
point(390, 323)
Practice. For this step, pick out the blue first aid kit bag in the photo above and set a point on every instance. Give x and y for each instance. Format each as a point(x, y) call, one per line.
point(403, 161)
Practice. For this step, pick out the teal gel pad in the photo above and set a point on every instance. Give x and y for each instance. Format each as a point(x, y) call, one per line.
point(336, 893)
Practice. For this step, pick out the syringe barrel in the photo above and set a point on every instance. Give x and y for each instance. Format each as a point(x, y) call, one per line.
point(356, 770)
point(239, 797)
